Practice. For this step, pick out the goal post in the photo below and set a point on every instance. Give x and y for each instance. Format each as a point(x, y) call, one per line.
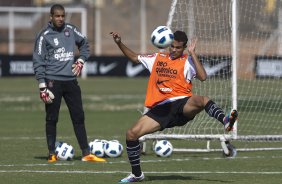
point(231, 36)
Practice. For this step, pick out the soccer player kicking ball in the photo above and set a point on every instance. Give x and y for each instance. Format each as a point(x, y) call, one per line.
point(56, 72)
point(169, 95)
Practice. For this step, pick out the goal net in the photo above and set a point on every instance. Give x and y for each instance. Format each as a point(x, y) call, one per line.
point(247, 33)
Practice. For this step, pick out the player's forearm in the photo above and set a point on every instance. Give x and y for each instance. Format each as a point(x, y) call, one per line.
point(84, 50)
point(132, 56)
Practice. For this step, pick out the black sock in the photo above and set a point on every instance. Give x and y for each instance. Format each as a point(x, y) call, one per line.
point(133, 153)
point(214, 111)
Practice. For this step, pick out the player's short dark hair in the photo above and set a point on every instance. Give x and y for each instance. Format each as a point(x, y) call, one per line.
point(180, 36)
point(56, 7)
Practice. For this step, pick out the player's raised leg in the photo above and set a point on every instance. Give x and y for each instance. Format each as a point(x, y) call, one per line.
point(230, 119)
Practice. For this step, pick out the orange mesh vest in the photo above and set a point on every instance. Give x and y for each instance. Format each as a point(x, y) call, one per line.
point(167, 80)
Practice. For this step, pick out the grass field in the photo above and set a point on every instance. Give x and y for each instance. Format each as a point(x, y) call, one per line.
point(111, 106)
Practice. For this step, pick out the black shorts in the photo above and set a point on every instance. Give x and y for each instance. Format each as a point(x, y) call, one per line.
point(169, 114)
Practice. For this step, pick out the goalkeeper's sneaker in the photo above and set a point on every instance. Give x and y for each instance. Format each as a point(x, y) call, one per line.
point(92, 158)
point(52, 158)
point(230, 119)
point(132, 178)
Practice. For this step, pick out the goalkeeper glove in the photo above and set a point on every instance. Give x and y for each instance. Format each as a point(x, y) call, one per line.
point(77, 67)
point(45, 94)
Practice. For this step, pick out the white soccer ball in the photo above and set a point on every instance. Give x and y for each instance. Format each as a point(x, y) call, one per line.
point(64, 151)
point(162, 37)
point(97, 147)
point(113, 149)
point(163, 148)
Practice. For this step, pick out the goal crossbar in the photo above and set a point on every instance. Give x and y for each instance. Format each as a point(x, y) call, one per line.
point(213, 137)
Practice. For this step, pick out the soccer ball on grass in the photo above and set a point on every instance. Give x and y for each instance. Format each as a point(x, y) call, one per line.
point(97, 147)
point(64, 151)
point(113, 148)
point(163, 148)
point(162, 37)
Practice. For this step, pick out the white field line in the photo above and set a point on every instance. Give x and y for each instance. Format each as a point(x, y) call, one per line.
point(10, 98)
point(23, 138)
point(150, 172)
point(69, 163)
point(126, 162)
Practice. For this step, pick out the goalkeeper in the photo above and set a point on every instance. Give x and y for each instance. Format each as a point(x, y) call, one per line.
point(169, 97)
point(56, 71)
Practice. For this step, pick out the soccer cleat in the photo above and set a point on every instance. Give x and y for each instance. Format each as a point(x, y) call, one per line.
point(132, 178)
point(92, 158)
point(232, 150)
point(230, 119)
point(52, 158)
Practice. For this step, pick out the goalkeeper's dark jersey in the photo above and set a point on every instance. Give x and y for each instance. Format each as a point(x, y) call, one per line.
point(54, 52)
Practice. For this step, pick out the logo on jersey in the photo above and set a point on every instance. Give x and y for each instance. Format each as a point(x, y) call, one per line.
point(67, 33)
point(163, 55)
point(165, 89)
point(40, 45)
point(161, 81)
point(56, 41)
point(50, 84)
point(164, 71)
point(78, 33)
point(61, 55)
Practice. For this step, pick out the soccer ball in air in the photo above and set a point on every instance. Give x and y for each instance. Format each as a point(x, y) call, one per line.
point(97, 147)
point(163, 148)
point(113, 148)
point(64, 151)
point(162, 37)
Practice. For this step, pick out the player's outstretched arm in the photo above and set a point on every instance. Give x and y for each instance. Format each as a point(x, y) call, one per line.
point(201, 72)
point(132, 56)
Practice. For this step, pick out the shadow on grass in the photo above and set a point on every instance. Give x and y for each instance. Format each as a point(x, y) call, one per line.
point(180, 178)
point(40, 157)
point(45, 158)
